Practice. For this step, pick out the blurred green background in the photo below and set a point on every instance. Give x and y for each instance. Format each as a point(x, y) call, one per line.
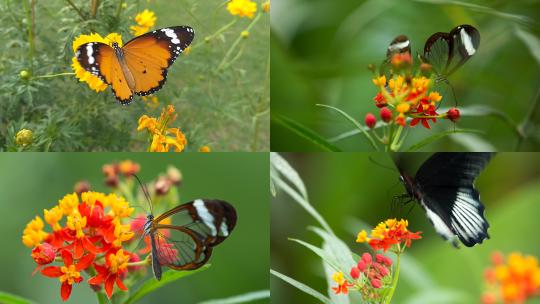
point(348, 189)
point(33, 182)
point(321, 48)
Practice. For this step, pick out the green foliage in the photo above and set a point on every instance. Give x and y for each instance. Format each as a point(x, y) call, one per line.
point(220, 89)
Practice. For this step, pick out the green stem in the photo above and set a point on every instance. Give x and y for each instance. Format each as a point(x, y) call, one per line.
point(395, 280)
point(93, 10)
point(55, 75)
point(79, 12)
point(29, 27)
point(522, 128)
point(144, 262)
point(237, 41)
point(119, 9)
point(219, 31)
point(394, 142)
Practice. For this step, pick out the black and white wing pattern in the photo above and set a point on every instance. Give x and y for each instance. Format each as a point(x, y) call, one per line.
point(445, 188)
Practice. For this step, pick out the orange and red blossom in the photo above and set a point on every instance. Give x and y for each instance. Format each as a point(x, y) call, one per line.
point(43, 254)
point(70, 273)
point(515, 279)
point(343, 284)
point(386, 114)
point(112, 272)
point(388, 233)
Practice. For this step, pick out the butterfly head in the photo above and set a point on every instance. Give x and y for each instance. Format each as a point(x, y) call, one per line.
point(115, 45)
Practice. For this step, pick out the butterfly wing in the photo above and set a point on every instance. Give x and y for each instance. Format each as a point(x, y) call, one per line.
point(148, 56)
point(446, 186)
point(446, 52)
point(197, 227)
point(399, 45)
point(100, 60)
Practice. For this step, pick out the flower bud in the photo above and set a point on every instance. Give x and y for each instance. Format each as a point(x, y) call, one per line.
point(366, 257)
point(162, 185)
point(43, 254)
point(376, 283)
point(361, 266)
point(386, 114)
point(82, 186)
point(370, 120)
point(244, 34)
point(174, 175)
point(453, 114)
point(24, 74)
point(355, 273)
point(24, 137)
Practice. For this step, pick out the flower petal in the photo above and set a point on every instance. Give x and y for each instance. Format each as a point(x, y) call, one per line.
point(89, 246)
point(109, 285)
point(51, 271)
point(85, 261)
point(120, 284)
point(65, 291)
point(67, 257)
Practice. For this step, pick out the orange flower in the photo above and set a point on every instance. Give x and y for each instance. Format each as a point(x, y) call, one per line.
point(343, 284)
point(388, 233)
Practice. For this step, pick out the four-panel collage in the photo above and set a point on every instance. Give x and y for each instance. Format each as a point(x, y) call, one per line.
point(312, 151)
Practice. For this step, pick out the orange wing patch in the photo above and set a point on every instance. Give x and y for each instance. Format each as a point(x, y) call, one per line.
point(112, 72)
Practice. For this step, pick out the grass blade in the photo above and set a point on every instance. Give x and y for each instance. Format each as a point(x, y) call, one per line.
point(286, 170)
point(243, 298)
point(354, 122)
point(438, 136)
point(304, 132)
point(168, 277)
point(302, 287)
point(13, 299)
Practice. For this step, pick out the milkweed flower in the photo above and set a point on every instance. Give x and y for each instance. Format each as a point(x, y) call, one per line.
point(343, 284)
point(86, 228)
point(145, 20)
point(512, 279)
point(242, 8)
point(266, 6)
point(389, 233)
point(93, 81)
point(163, 138)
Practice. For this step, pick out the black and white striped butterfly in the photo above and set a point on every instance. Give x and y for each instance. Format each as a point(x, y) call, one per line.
point(444, 187)
point(445, 52)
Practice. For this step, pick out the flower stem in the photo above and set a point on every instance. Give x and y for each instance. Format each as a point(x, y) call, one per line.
point(394, 142)
point(76, 9)
point(55, 75)
point(144, 262)
point(30, 28)
point(523, 126)
point(221, 30)
point(237, 41)
point(395, 280)
point(93, 11)
point(119, 9)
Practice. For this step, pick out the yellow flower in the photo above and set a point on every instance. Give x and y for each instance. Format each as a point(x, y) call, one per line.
point(146, 18)
point(33, 234)
point(93, 81)
point(76, 222)
point(138, 30)
point(204, 149)
point(242, 8)
point(151, 101)
point(187, 50)
point(362, 237)
point(434, 96)
point(403, 107)
point(244, 34)
point(91, 197)
point(53, 216)
point(163, 138)
point(122, 233)
point(266, 6)
point(118, 261)
point(119, 206)
point(68, 203)
point(338, 277)
point(24, 137)
point(379, 81)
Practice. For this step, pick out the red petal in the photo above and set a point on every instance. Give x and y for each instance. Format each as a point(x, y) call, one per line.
point(120, 284)
point(51, 271)
point(414, 122)
point(79, 250)
point(109, 285)
point(67, 257)
point(97, 280)
point(89, 246)
point(109, 234)
point(85, 261)
point(65, 291)
point(425, 123)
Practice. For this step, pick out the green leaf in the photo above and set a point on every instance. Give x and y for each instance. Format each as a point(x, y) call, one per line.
point(168, 277)
point(243, 298)
point(286, 170)
point(330, 260)
point(6, 298)
point(304, 132)
point(354, 122)
point(532, 42)
point(302, 287)
point(437, 136)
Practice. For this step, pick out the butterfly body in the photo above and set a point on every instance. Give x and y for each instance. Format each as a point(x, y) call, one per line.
point(140, 66)
point(205, 224)
point(444, 187)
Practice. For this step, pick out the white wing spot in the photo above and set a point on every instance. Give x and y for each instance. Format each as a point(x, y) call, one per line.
point(467, 42)
point(89, 52)
point(206, 217)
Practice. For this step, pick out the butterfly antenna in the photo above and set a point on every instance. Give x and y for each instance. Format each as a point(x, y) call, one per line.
point(145, 191)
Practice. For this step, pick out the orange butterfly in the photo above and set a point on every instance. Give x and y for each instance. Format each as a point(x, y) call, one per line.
point(140, 66)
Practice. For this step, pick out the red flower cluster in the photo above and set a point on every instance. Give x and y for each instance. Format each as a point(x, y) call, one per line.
point(388, 233)
point(90, 234)
point(374, 271)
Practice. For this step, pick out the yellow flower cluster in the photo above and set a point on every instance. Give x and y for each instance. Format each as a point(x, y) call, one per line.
point(242, 8)
point(93, 81)
point(145, 20)
point(33, 234)
point(163, 137)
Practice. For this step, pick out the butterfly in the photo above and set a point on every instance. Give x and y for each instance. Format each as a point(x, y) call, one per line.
point(444, 187)
point(186, 244)
point(140, 66)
